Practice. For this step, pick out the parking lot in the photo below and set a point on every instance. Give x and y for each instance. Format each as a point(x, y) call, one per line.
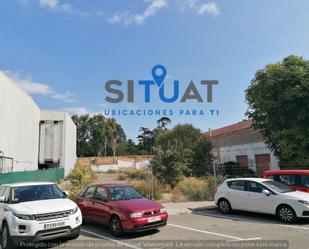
point(206, 225)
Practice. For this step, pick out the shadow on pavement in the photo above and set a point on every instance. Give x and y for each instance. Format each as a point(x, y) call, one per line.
point(104, 231)
point(244, 216)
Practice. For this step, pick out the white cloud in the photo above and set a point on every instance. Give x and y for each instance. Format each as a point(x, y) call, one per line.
point(56, 5)
point(210, 8)
point(126, 17)
point(66, 97)
point(199, 7)
point(77, 110)
point(28, 85)
point(32, 87)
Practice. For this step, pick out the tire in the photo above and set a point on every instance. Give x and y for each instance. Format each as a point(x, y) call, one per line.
point(286, 214)
point(115, 226)
point(224, 206)
point(75, 236)
point(6, 240)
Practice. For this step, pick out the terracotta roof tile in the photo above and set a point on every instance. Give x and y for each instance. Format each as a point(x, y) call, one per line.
point(246, 124)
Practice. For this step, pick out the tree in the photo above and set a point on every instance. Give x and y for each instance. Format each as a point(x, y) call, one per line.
point(163, 122)
point(127, 148)
point(182, 136)
point(97, 135)
point(202, 158)
point(170, 165)
point(146, 140)
point(278, 100)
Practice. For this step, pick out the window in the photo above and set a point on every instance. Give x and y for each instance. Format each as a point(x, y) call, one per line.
point(304, 180)
point(289, 180)
point(89, 193)
point(236, 185)
point(277, 187)
point(124, 193)
point(100, 194)
point(35, 193)
point(254, 187)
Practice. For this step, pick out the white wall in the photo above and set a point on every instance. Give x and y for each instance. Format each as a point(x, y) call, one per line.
point(19, 126)
point(69, 138)
point(120, 165)
point(229, 153)
point(69, 144)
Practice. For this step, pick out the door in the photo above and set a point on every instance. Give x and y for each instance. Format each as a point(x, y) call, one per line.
point(242, 160)
point(85, 203)
point(256, 201)
point(262, 163)
point(236, 193)
point(100, 206)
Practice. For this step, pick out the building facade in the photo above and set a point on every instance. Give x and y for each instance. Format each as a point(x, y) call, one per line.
point(31, 139)
point(243, 144)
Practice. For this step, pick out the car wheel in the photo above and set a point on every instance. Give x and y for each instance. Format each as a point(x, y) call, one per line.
point(6, 240)
point(115, 226)
point(75, 236)
point(286, 214)
point(224, 206)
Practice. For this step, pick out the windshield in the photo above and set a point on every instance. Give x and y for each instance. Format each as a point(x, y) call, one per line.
point(124, 193)
point(35, 193)
point(278, 187)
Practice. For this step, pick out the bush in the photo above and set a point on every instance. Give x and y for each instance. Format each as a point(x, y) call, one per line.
point(143, 188)
point(134, 174)
point(80, 177)
point(195, 189)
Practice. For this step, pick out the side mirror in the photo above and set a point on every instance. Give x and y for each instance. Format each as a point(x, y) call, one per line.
point(65, 193)
point(2, 199)
point(266, 192)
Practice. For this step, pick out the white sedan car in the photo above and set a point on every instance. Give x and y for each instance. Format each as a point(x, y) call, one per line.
point(262, 196)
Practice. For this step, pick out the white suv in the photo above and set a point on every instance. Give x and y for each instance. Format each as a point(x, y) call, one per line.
point(37, 211)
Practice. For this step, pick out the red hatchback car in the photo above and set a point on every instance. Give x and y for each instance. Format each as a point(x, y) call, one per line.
point(121, 207)
point(295, 179)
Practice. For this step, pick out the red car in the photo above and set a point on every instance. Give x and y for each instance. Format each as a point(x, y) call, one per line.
point(295, 179)
point(121, 207)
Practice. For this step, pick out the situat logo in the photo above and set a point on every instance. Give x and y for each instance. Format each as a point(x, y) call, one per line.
point(159, 73)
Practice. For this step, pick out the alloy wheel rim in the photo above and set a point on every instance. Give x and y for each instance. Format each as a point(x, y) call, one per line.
point(115, 225)
point(4, 237)
point(286, 214)
point(224, 206)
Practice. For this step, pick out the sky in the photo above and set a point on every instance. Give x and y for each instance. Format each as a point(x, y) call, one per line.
point(62, 52)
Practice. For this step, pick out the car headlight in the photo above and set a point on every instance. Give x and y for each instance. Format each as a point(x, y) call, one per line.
point(25, 216)
point(74, 211)
point(163, 210)
point(304, 202)
point(136, 215)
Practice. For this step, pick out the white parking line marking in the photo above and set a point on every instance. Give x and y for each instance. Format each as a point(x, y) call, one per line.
point(208, 232)
point(110, 239)
point(250, 220)
point(232, 217)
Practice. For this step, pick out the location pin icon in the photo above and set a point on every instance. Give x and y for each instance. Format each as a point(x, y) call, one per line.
point(159, 74)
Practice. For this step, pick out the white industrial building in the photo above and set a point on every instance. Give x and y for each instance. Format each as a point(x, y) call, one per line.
point(243, 144)
point(32, 139)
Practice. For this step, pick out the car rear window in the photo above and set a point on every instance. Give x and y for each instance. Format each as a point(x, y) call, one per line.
point(237, 185)
point(304, 180)
point(289, 180)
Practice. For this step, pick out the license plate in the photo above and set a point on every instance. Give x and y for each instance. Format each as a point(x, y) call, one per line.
point(54, 225)
point(154, 219)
